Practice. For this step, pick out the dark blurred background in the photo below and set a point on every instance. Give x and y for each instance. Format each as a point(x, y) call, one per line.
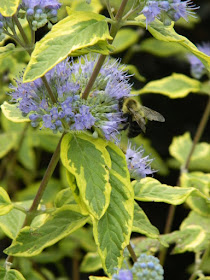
point(181, 115)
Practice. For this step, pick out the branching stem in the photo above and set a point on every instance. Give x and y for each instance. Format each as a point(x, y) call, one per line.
point(132, 253)
point(48, 173)
point(185, 167)
point(109, 9)
point(132, 11)
point(93, 76)
point(44, 80)
point(49, 90)
point(200, 263)
point(15, 38)
point(199, 132)
point(22, 32)
point(113, 31)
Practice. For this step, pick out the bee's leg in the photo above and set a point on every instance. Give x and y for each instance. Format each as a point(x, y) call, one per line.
point(121, 100)
point(125, 123)
point(124, 127)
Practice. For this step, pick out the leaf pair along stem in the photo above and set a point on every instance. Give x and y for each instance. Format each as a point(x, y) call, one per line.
point(198, 263)
point(184, 168)
point(115, 26)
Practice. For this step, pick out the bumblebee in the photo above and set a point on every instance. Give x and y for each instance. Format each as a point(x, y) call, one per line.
point(136, 116)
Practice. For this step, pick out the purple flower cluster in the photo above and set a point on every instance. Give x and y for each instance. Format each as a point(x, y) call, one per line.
point(196, 66)
point(138, 165)
point(40, 12)
point(168, 10)
point(124, 274)
point(146, 267)
point(68, 80)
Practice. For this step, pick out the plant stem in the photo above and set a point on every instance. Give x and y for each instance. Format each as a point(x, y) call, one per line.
point(109, 9)
point(22, 32)
point(121, 10)
point(15, 38)
point(44, 80)
point(113, 31)
point(32, 34)
point(199, 132)
point(132, 11)
point(75, 265)
point(168, 226)
point(93, 76)
point(20, 208)
point(132, 253)
point(185, 167)
point(48, 173)
point(205, 255)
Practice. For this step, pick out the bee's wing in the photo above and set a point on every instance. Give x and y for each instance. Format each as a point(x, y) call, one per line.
point(151, 114)
point(139, 119)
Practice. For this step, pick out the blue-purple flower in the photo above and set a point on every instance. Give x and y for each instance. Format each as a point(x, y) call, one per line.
point(37, 12)
point(40, 12)
point(68, 80)
point(35, 4)
point(138, 165)
point(168, 10)
point(147, 267)
point(151, 10)
point(123, 274)
point(197, 68)
point(181, 9)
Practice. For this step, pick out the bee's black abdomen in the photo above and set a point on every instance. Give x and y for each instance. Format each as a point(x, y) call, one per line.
point(120, 103)
point(133, 130)
point(132, 126)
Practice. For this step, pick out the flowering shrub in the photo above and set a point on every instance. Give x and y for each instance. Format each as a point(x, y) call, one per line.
point(68, 95)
